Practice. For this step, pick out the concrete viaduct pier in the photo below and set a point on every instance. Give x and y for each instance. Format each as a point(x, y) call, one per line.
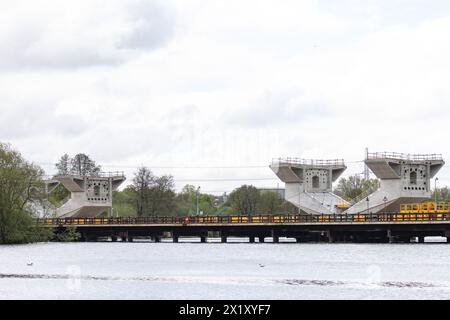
point(309, 183)
point(404, 178)
point(89, 195)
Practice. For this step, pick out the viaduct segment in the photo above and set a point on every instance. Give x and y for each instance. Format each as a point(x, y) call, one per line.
point(89, 195)
point(309, 184)
point(404, 178)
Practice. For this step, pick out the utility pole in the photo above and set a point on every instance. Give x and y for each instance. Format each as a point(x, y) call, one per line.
point(435, 193)
point(367, 200)
point(299, 197)
point(198, 190)
point(366, 168)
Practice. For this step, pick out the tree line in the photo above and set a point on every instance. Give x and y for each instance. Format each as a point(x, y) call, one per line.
point(151, 195)
point(21, 185)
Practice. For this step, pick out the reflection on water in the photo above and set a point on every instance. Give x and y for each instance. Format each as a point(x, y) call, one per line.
point(224, 271)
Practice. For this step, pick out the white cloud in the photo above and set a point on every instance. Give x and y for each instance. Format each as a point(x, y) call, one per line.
point(49, 33)
point(223, 83)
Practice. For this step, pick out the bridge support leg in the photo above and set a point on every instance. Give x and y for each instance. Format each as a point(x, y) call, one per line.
point(448, 239)
point(114, 238)
point(251, 240)
point(275, 237)
point(203, 239)
point(391, 239)
point(157, 239)
point(175, 238)
point(261, 239)
point(421, 239)
point(223, 239)
point(123, 239)
point(330, 237)
point(90, 238)
point(130, 239)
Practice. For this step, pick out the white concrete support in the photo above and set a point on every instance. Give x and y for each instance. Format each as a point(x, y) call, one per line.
point(89, 195)
point(403, 179)
point(309, 184)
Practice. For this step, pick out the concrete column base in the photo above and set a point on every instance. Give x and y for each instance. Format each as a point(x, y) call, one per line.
point(275, 236)
point(203, 239)
point(251, 240)
point(421, 239)
point(261, 239)
point(223, 239)
point(391, 239)
point(330, 237)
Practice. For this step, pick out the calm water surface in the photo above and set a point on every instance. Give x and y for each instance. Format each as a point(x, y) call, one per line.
point(224, 271)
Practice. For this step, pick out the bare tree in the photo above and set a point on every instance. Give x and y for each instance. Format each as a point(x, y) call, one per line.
point(63, 165)
point(82, 165)
point(142, 181)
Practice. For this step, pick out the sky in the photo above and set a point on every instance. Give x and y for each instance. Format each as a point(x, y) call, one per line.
point(211, 91)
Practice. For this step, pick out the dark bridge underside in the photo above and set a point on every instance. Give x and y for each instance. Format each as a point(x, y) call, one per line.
point(326, 232)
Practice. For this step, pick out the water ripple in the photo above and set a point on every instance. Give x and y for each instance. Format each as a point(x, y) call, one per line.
point(255, 281)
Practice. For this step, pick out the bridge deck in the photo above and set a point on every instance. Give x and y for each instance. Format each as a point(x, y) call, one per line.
point(257, 220)
point(386, 227)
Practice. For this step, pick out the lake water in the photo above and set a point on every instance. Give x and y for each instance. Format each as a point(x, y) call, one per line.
point(224, 271)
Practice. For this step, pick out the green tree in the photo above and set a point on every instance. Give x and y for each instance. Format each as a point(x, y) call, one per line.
point(245, 199)
point(225, 210)
point(270, 203)
point(124, 203)
point(153, 195)
point(288, 208)
point(58, 196)
point(443, 194)
point(21, 185)
point(186, 201)
point(162, 196)
point(70, 234)
point(354, 187)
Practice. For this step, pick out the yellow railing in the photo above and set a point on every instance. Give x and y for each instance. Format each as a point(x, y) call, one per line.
point(260, 219)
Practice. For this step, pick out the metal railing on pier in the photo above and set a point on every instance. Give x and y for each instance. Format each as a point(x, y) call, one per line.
point(403, 156)
point(308, 162)
point(111, 174)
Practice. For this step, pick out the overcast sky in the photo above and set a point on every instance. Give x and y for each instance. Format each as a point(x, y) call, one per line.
point(214, 83)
